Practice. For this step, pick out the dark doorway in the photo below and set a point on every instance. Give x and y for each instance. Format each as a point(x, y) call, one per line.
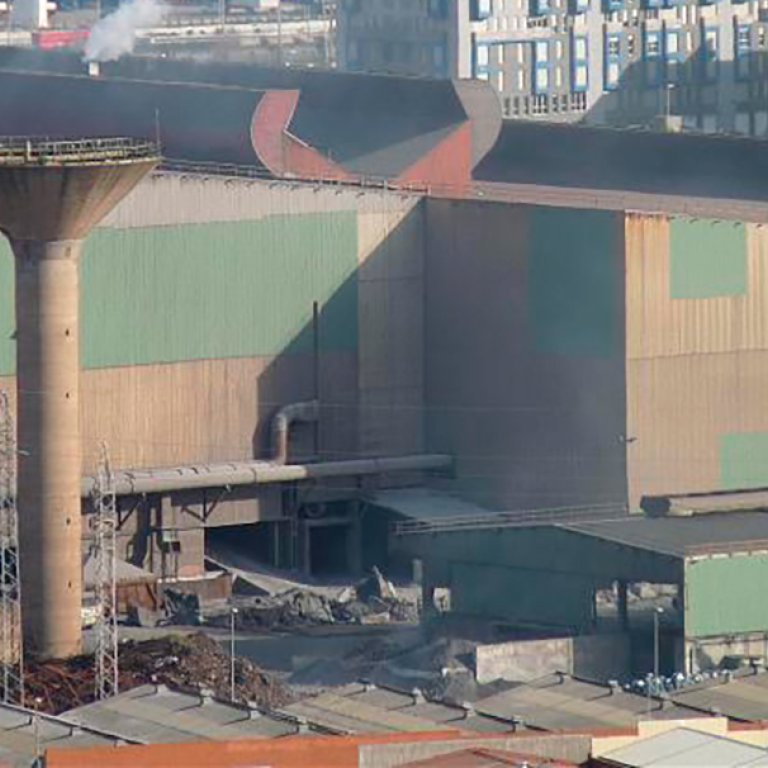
point(328, 549)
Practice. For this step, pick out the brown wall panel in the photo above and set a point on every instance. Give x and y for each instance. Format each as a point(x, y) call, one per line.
point(697, 367)
point(391, 329)
point(660, 325)
point(210, 410)
point(678, 407)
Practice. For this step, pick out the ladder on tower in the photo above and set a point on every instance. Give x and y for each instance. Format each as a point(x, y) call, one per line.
point(105, 581)
point(11, 636)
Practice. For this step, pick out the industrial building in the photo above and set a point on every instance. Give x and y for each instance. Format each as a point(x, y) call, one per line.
point(303, 309)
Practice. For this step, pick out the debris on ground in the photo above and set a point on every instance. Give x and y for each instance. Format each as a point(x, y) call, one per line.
point(375, 586)
point(189, 662)
point(374, 600)
point(182, 608)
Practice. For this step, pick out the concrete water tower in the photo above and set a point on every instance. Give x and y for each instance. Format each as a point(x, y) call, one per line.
point(51, 195)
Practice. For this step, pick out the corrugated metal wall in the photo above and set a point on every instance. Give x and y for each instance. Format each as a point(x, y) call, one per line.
point(524, 350)
point(742, 578)
point(197, 304)
point(697, 347)
point(391, 329)
point(218, 290)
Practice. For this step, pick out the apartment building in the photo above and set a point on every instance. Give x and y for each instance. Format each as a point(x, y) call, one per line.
point(703, 64)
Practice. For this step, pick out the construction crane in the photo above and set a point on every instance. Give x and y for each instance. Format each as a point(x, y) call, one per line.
point(105, 582)
point(11, 636)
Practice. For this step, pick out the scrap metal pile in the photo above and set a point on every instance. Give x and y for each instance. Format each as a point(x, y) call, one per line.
point(188, 662)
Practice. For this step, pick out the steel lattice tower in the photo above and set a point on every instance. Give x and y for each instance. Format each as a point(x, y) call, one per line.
point(105, 586)
point(11, 642)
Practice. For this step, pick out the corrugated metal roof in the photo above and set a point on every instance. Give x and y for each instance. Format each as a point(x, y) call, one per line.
point(601, 158)
point(736, 531)
point(744, 697)
point(21, 736)
point(160, 715)
point(425, 504)
point(124, 571)
point(559, 702)
point(685, 747)
point(378, 709)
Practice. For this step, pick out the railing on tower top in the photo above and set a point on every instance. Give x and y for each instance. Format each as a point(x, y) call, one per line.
point(20, 150)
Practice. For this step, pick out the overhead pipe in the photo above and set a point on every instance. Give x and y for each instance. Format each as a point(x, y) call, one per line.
point(129, 483)
point(308, 412)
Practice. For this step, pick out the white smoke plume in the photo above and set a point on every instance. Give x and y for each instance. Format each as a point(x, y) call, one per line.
point(115, 35)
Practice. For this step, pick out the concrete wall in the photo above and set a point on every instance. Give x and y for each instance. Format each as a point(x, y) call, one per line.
point(572, 748)
point(713, 652)
point(525, 353)
point(593, 657)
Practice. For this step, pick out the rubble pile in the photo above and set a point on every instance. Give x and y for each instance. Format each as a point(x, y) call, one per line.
point(374, 600)
point(189, 662)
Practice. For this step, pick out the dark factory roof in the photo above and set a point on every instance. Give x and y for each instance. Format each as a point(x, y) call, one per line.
point(363, 125)
point(194, 122)
point(559, 155)
point(683, 536)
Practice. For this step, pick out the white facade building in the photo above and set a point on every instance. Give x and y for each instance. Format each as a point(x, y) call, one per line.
point(609, 61)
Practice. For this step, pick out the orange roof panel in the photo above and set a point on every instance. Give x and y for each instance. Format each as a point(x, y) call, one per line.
point(289, 752)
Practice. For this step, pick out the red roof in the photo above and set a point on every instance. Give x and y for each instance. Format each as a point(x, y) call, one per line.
point(290, 752)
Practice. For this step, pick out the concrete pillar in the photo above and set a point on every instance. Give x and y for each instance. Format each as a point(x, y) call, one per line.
point(622, 605)
point(428, 607)
point(50, 460)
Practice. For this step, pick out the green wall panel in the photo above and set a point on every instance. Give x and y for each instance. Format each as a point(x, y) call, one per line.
point(726, 595)
point(744, 460)
point(707, 259)
point(219, 290)
point(520, 595)
point(7, 319)
point(575, 282)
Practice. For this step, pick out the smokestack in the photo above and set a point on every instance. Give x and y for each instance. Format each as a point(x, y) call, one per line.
point(51, 195)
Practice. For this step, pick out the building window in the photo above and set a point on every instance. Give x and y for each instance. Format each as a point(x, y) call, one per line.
point(479, 10)
point(482, 55)
point(709, 54)
point(743, 45)
point(652, 45)
point(541, 81)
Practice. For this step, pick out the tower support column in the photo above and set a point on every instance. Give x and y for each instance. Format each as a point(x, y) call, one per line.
point(50, 452)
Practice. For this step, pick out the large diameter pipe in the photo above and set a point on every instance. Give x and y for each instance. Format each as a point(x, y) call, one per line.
point(281, 426)
point(50, 459)
point(262, 473)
